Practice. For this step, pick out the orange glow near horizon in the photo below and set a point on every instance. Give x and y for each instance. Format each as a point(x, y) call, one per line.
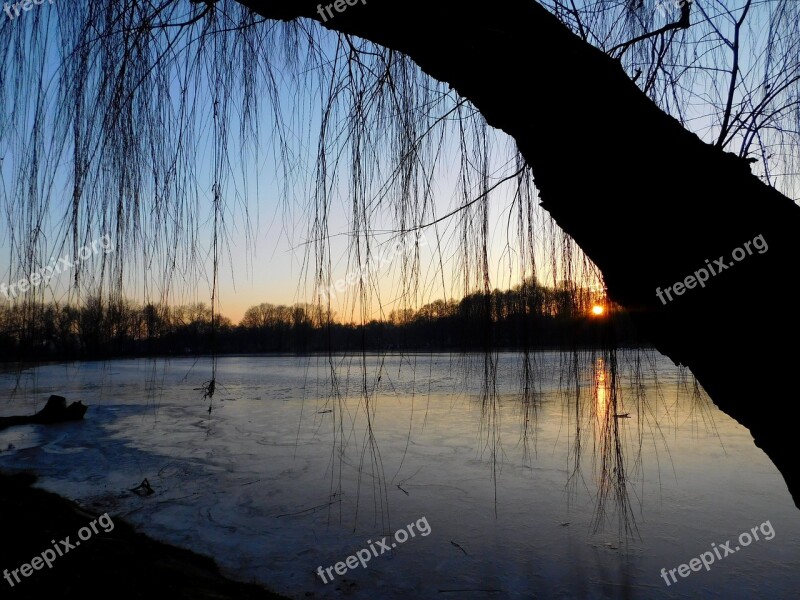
point(597, 310)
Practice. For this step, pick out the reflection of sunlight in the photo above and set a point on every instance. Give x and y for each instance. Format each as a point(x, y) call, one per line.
point(601, 389)
point(612, 480)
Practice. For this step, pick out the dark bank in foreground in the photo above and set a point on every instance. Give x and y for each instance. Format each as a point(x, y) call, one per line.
point(119, 563)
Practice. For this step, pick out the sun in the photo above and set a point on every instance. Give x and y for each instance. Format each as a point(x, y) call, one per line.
point(597, 310)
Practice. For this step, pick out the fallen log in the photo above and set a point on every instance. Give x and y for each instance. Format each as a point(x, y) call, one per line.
point(55, 411)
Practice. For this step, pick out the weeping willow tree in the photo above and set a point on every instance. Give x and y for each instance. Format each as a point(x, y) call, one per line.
point(629, 141)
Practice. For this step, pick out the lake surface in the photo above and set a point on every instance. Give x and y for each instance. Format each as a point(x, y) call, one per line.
point(303, 462)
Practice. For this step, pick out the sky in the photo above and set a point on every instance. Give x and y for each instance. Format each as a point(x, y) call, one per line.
point(266, 250)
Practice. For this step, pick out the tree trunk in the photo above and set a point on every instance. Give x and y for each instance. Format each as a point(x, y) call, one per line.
point(645, 199)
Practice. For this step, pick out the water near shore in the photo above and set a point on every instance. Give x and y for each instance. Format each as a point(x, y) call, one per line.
point(302, 462)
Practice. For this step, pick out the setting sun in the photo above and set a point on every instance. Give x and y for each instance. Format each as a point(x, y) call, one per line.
point(597, 310)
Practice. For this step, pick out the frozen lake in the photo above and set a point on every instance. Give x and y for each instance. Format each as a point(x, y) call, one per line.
point(303, 462)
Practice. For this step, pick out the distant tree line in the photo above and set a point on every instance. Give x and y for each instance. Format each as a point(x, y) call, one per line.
point(528, 316)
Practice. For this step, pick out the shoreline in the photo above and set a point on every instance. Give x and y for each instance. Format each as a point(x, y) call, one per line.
point(120, 563)
point(17, 366)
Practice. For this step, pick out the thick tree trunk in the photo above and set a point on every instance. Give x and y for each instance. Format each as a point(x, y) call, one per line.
point(646, 200)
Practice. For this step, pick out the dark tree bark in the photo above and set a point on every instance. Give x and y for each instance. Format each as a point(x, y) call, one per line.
point(645, 199)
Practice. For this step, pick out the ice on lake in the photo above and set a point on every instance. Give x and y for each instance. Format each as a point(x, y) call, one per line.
point(304, 461)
